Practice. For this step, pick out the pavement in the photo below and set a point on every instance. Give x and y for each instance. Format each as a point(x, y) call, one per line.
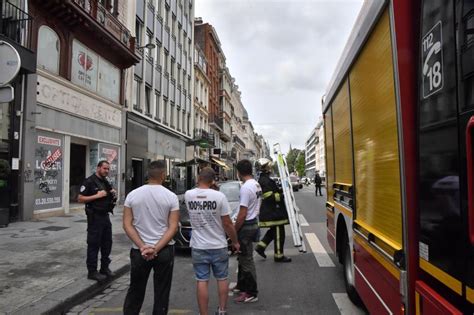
point(43, 263)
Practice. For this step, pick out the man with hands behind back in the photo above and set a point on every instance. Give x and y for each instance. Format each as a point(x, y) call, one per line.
point(150, 220)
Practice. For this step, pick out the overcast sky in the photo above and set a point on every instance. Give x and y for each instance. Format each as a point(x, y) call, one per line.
point(282, 54)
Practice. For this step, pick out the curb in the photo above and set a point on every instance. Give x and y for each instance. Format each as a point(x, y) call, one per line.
point(76, 292)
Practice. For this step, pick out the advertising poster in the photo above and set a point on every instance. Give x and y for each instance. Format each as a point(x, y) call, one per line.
point(48, 175)
point(110, 153)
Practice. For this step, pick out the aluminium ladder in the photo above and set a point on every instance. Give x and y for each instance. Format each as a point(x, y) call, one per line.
point(290, 201)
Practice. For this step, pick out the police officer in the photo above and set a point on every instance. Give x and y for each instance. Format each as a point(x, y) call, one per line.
point(272, 213)
point(100, 197)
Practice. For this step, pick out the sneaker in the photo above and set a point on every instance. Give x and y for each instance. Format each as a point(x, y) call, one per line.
point(283, 259)
point(107, 272)
point(244, 297)
point(220, 312)
point(261, 251)
point(94, 275)
point(234, 289)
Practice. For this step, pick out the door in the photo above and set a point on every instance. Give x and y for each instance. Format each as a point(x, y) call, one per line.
point(77, 171)
point(444, 245)
point(137, 173)
point(465, 20)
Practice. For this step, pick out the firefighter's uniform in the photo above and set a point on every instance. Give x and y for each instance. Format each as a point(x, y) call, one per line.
point(273, 215)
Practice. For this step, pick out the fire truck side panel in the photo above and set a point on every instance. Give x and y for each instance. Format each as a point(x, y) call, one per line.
point(377, 279)
point(374, 120)
point(328, 137)
point(342, 136)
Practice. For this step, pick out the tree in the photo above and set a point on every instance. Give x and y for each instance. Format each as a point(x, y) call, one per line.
point(291, 159)
point(300, 163)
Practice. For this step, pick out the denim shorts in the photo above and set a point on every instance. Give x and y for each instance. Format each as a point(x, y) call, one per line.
point(205, 259)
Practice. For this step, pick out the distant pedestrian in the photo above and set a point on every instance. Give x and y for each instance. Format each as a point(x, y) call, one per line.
point(100, 198)
point(246, 226)
point(318, 181)
point(150, 220)
point(209, 213)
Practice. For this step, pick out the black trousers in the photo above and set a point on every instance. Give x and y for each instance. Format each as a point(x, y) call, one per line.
point(275, 234)
point(162, 266)
point(318, 188)
point(247, 274)
point(99, 237)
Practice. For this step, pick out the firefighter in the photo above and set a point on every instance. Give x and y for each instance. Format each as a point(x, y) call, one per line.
point(273, 213)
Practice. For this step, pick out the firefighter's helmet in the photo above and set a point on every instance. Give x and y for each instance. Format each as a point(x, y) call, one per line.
point(264, 165)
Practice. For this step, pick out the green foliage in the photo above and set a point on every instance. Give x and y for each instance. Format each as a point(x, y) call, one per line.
point(300, 164)
point(292, 160)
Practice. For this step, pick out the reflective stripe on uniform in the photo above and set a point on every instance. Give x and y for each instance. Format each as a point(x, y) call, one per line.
point(273, 223)
point(277, 197)
point(277, 243)
point(267, 194)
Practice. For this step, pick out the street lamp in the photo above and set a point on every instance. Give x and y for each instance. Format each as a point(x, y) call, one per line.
point(147, 46)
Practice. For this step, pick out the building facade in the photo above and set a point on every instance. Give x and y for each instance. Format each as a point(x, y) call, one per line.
point(83, 49)
point(20, 85)
point(315, 152)
point(310, 153)
point(159, 117)
point(320, 150)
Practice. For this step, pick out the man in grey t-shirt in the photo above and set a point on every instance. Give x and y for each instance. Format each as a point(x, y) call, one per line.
point(209, 213)
point(150, 220)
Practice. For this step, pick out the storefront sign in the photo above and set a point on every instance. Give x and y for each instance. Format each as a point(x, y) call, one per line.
point(110, 153)
point(48, 174)
point(66, 99)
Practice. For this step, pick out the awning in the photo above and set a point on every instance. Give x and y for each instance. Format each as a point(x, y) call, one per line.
point(195, 161)
point(221, 163)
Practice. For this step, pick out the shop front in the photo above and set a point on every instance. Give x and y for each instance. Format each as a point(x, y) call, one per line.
point(73, 130)
point(147, 142)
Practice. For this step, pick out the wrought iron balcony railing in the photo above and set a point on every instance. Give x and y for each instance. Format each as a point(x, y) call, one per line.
point(15, 23)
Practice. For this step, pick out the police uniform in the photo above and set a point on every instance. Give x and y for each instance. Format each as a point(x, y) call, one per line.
point(99, 227)
point(274, 216)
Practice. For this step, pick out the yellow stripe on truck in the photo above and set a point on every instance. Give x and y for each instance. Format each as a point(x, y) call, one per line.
point(451, 282)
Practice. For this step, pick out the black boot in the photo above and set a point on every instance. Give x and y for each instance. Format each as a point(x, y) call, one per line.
point(94, 275)
point(283, 259)
point(107, 272)
point(261, 251)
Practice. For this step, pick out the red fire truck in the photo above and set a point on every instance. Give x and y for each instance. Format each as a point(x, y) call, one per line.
point(399, 127)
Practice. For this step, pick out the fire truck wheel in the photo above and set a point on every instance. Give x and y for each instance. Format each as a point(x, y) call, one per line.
point(349, 275)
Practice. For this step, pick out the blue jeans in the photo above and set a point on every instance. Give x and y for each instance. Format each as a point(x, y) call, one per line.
point(205, 259)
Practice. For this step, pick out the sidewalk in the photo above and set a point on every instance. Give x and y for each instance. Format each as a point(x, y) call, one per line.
point(43, 263)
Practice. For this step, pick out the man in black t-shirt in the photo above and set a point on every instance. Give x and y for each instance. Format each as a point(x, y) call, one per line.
point(100, 197)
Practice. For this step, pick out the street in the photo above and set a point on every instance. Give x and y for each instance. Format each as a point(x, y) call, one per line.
point(311, 284)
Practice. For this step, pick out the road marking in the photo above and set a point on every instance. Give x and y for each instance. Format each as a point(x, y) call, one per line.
point(346, 307)
point(303, 221)
point(318, 250)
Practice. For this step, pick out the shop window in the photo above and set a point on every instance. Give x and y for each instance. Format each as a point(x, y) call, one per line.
point(48, 49)
point(94, 73)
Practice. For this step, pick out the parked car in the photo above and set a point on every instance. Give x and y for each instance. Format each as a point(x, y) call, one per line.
point(231, 189)
point(295, 182)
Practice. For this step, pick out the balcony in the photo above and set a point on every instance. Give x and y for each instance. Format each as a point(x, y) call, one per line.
point(238, 141)
point(203, 139)
point(15, 28)
point(95, 20)
point(216, 121)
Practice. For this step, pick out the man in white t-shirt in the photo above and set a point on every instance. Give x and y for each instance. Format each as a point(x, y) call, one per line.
point(209, 213)
point(150, 220)
point(246, 226)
